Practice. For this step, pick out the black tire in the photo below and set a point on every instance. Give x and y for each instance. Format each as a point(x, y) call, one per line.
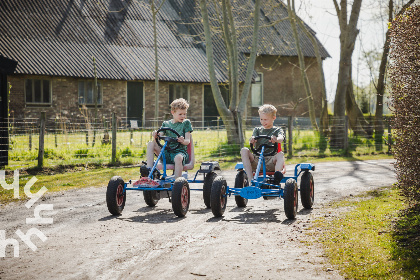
point(307, 190)
point(208, 182)
point(151, 198)
point(291, 198)
point(115, 196)
point(218, 196)
point(180, 197)
point(241, 181)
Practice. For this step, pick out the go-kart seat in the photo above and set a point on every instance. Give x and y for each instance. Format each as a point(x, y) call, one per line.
point(271, 173)
point(189, 165)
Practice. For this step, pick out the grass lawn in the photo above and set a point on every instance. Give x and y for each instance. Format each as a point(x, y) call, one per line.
point(378, 238)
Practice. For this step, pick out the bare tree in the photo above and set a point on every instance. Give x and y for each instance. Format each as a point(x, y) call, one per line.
point(292, 17)
point(232, 115)
point(344, 98)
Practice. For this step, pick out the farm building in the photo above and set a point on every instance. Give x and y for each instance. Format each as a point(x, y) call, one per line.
point(55, 41)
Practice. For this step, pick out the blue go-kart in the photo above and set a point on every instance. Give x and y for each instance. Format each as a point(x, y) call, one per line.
point(160, 185)
point(263, 185)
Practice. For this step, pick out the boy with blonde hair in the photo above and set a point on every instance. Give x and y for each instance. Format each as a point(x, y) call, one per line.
point(275, 163)
point(183, 126)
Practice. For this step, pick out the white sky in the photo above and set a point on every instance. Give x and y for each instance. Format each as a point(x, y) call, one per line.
point(321, 16)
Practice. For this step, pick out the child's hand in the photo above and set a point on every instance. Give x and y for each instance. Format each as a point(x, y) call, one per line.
point(275, 139)
point(183, 141)
point(252, 140)
point(154, 134)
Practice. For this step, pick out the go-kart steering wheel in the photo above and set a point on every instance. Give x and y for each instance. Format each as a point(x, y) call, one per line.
point(258, 150)
point(167, 138)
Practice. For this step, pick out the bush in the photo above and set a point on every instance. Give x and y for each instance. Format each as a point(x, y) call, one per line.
point(405, 79)
point(81, 153)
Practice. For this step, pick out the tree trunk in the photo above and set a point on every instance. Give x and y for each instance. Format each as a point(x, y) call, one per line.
point(348, 35)
point(232, 116)
point(323, 119)
point(225, 114)
point(311, 107)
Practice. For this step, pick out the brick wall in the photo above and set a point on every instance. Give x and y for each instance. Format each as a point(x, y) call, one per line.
point(194, 111)
point(65, 98)
point(283, 85)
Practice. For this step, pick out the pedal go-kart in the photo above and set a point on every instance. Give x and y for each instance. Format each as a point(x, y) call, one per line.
point(262, 185)
point(160, 185)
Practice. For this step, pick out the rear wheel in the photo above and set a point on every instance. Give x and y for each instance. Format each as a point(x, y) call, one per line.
point(115, 195)
point(208, 182)
point(151, 197)
point(290, 198)
point(218, 196)
point(307, 190)
point(241, 181)
point(180, 197)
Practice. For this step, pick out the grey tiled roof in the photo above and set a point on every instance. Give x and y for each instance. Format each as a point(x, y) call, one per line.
point(60, 37)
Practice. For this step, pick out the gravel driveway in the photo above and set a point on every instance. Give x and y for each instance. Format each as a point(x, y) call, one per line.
point(256, 242)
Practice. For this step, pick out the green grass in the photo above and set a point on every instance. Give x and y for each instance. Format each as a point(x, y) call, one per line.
point(76, 148)
point(376, 239)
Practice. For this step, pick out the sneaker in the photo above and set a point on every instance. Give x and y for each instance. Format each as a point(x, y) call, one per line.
point(278, 176)
point(144, 171)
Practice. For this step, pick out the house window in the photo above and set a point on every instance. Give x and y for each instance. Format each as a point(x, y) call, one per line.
point(178, 91)
point(86, 96)
point(37, 91)
point(257, 91)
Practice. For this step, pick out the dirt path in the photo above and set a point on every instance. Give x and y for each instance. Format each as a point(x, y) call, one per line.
point(85, 242)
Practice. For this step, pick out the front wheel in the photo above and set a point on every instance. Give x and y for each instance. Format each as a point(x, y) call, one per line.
point(241, 181)
point(290, 198)
point(208, 182)
point(218, 196)
point(115, 195)
point(307, 190)
point(151, 198)
point(180, 197)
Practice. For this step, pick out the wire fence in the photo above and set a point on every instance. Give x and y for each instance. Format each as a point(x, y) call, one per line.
point(78, 141)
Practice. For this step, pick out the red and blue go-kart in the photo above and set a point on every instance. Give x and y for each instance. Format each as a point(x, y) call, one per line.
point(158, 184)
point(263, 185)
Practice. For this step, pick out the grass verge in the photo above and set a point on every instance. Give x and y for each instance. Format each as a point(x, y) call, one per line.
point(378, 238)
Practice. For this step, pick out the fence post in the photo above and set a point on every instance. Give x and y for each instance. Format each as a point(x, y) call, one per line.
point(389, 138)
point(290, 136)
point(114, 138)
point(41, 140)
point(30, 139)
point(346, 134)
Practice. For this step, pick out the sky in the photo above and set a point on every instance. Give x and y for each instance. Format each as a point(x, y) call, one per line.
point(321, 16)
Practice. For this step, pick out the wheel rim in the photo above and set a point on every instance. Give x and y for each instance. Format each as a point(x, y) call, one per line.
point(223, 197)
point(120, 195)
point(184, 197)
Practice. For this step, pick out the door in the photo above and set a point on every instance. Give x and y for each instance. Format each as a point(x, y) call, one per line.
point(135, 102)
point(210, 110)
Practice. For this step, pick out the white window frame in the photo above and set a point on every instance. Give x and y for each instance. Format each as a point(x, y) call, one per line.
point(176, 97)
point(85, 87)
point(33, 102)
point(259, 83)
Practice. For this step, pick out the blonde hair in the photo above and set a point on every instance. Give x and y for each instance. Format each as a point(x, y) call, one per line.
point(179, 103)
point(267, 109)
